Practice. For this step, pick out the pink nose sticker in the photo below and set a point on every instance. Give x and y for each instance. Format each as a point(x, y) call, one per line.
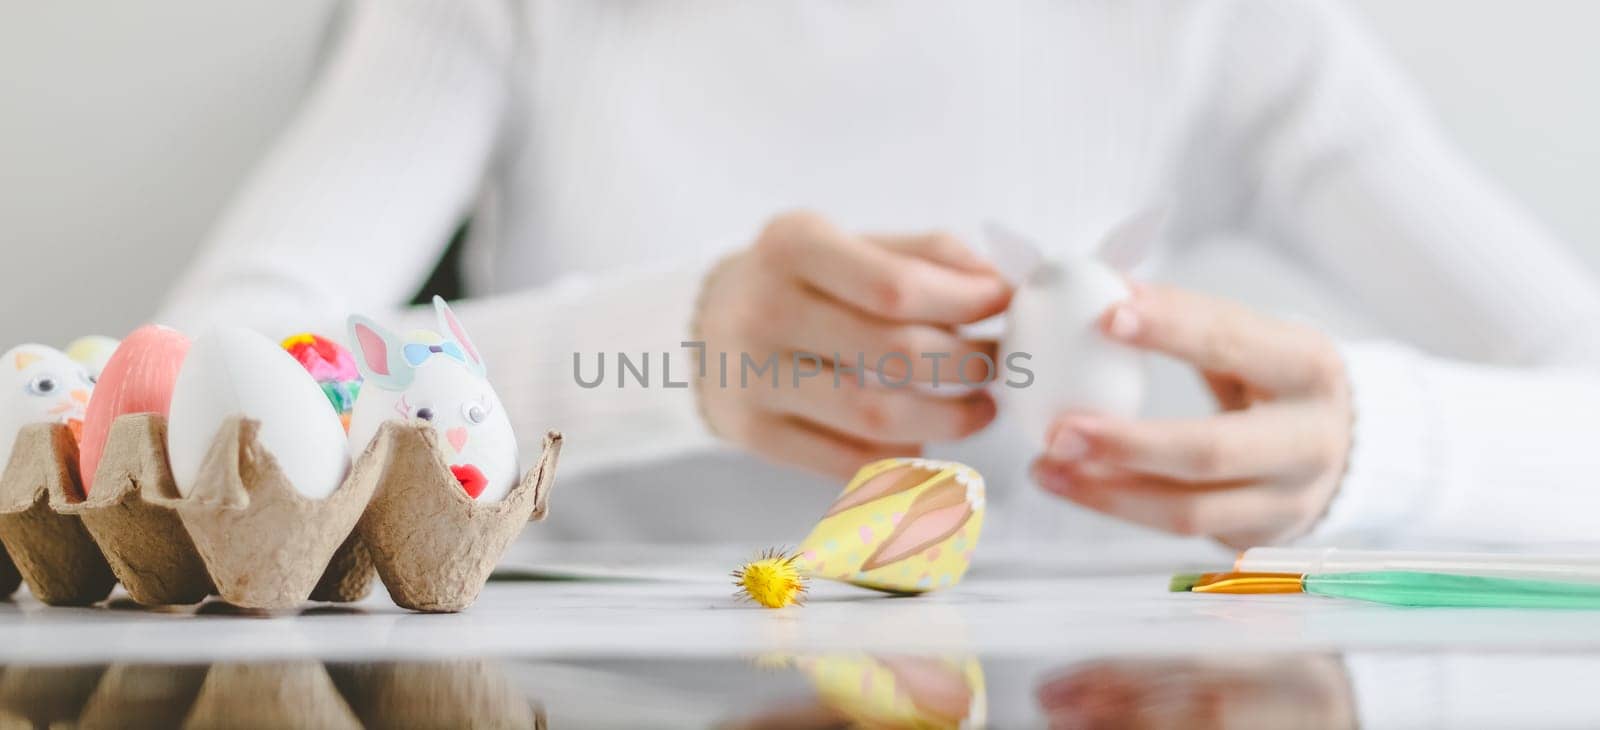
point(457, 437)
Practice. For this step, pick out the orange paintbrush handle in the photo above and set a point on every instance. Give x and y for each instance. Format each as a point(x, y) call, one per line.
point(1250, 583)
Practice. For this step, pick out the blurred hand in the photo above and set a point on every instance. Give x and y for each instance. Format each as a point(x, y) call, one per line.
point(1301, 691)
point(805, 286)
point(1262, 470)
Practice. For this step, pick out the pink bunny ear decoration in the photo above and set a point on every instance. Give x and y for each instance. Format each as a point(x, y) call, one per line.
point(451, 328)
point(379, 354)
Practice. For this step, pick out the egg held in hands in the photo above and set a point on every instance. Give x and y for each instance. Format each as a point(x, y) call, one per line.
point(437, 377)
point(233, 371)
point(1055, 319)
point(43, 386)
point(1053, 325)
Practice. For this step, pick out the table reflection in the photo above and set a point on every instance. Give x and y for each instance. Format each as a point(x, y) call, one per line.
point(821, 690)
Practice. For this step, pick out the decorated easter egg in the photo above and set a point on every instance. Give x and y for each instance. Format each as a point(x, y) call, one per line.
point(437, 377)
point(234, 371)
point(137, 378)
point(906, 525)
point(332, 367)
point(43, 385)
point(92, 352)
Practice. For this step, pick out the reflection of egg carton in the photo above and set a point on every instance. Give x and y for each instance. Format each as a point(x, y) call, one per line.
point(445, 693)
point(244, 532)
point(52, 551)
point(288, 693)
point(294, 693)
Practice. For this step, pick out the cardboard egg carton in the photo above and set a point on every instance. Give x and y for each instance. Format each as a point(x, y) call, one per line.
point(244, 532)
point(10, 579)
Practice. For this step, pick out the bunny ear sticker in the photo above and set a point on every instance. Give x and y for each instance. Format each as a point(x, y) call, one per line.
point(938, 511)
point(894, 481)
point(378, 355)
point(451, 327)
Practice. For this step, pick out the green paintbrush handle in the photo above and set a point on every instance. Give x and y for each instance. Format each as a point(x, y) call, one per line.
point(1402, 588)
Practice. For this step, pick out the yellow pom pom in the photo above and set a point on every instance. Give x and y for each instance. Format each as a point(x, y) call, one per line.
point(771, 580)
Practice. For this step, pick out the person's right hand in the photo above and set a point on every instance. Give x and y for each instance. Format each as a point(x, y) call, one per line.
point(805, 286)
point(1293, 690)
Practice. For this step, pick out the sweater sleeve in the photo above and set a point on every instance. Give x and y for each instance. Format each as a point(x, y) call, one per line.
point(554, 356)
point(1350, 176)
point(356, 202)
point(1447, 451)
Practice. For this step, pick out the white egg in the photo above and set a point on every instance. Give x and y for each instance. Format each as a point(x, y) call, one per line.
point(40, 385)
point(235, 371)
point(1054, 319)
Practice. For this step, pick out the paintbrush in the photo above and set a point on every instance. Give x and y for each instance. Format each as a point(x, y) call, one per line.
point(1583, 568)
point(1401, 588)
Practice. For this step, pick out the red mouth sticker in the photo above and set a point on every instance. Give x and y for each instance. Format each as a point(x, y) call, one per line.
point(471, 479)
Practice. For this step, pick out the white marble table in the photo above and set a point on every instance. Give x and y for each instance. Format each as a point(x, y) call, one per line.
point(1053, 607)
point(680, 651)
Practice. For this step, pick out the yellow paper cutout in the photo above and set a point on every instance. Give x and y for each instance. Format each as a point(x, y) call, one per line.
point(901, 525)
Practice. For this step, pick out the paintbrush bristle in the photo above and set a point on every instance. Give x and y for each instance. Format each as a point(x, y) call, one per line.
point(1183, 582)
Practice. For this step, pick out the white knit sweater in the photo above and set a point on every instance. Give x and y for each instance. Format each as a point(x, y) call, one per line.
point(608, 150)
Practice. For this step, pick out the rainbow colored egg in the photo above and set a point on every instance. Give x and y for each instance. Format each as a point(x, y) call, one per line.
point(331, 366)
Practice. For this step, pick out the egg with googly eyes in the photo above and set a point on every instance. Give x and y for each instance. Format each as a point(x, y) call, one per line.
point(233, 371)
point(41, 385)
point(437, 377)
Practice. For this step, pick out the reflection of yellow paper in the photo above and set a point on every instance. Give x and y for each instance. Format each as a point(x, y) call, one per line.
point(889, 691)
point(901, 525)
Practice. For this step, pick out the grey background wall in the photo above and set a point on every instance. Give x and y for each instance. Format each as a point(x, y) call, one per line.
point(118, 143)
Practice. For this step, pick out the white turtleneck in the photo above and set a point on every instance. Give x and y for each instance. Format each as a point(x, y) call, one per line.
point(607, 151)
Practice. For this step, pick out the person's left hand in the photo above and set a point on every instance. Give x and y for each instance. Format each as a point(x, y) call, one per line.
point(1262, 470)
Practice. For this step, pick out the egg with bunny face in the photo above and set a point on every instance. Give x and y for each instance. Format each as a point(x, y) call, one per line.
point(438, 377)
point(41, 385)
